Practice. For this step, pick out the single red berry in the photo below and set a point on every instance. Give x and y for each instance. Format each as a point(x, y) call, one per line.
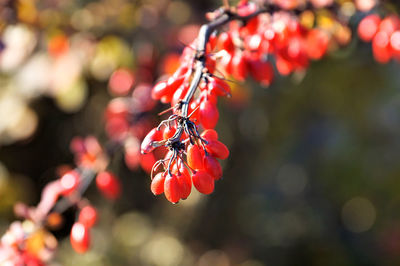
point(88, 216)
point(151, 137)
point(169, 132)
point(80, 237)
point(185, 183)
point(217, 149)
point(225, 41)
point(172, 188)
point(108, 184)
point(160, 90)
point(381, 47)
point(203, 182)
point(194, 157)
point(209, 114)
point(368, 27)
point(213, 167)
point(209, 134)
point(261, 71)
point(157, 184)
point(69, 182)
point(395, 44)
point(317, 43)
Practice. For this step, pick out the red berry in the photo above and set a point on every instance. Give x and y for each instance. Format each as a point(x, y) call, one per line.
point(185, 183)
point(212, 166)
point(169, 132)
point(239, 67)
point(317, 43)
point(219, 87)
point(381, 47)
point(203, 182)
point(151, 137)
point(69, 182)
point(217, 149)
point(88, 216)
point(80, 238)
point(368, 27)
point(157, 184)
point(108, 184)
point(160, 90)
point(261, 71)
point(172, 188)
point(209, 134)
point(389, 24)
point(395, 44)
point(225, 41)
point(194, 157)
point(209, 114)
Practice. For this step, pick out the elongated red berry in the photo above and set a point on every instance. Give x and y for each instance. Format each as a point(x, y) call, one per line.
point(209, 134)
point(151, 137)
point(157, 184)
point(239, 67)
point(88, 216)
point(172, 188)
point(217, 149)
point(108, 184)
point(209, 114)
point(69, 182)
point(80, 237)
point(194, 157)
point(160, 90)
point(261, 71)
point(203, 182)
point(213, 167)
point(185, 183)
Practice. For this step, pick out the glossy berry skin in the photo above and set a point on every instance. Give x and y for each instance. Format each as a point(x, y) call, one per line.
point(185, 183)
point(88, 216)
point(194, 157)
point(209, 114)
point(69, 182)
point(108, 184)
point(209, 134)
point(153, 135)
point(157, 184)
point(203, 182)
point(172, 188)
point(217, 149)
point(212, 166)
point(80, 237)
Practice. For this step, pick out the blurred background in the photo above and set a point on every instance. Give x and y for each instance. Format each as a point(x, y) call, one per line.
point(313, 177)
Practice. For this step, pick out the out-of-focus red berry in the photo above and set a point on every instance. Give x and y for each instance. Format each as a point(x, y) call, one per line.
point(88, 216)
point(108, 184)
point(80, 237)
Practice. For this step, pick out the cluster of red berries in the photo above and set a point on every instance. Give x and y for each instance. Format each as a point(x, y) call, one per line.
point(384, 35)
point(244, 49)
point(201, 167)
point(247, 48)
